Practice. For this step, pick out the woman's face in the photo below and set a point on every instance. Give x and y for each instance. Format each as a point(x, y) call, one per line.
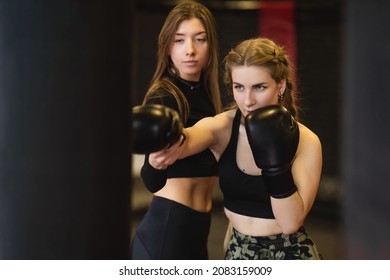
point(190, 50)
point(253, 88)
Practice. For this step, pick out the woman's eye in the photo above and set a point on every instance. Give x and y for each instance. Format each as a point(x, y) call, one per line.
point(260, 87)
point(201, 40)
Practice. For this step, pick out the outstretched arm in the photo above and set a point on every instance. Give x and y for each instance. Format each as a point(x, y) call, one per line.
point(195, 139)
point(209, 133)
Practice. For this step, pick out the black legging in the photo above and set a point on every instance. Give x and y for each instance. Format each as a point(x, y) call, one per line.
point(171, 231)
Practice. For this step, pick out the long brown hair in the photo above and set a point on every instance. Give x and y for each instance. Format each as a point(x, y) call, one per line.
point(184, 11)
point(264, 52)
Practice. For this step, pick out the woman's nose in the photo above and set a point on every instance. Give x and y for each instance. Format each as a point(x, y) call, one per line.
point(248, 101)
point(190, 48)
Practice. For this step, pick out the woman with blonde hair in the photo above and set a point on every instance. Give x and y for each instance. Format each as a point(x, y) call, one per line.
point(269, 163)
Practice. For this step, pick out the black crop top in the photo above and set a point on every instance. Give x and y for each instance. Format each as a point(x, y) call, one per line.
point(243, 194)
point(203, 164)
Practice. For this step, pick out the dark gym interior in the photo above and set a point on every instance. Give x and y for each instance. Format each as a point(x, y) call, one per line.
point(70, 71)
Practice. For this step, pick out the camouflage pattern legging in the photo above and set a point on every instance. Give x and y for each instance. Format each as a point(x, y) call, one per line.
point(297, 246)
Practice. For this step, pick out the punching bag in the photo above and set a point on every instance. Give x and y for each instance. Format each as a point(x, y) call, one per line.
point(64, 129)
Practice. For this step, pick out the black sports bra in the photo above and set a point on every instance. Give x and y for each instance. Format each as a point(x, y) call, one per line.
point(243, 194)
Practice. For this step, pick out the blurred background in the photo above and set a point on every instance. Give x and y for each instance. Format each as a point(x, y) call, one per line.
point(70, 71)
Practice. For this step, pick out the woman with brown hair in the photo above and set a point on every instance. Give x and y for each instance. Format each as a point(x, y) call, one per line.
point(177, 223)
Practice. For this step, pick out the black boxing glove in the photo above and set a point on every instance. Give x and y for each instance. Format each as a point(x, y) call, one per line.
point(273, 135)
point(154, 127)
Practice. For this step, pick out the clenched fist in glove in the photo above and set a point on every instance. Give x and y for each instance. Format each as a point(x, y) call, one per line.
point(273, 136)
point(154, 127)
